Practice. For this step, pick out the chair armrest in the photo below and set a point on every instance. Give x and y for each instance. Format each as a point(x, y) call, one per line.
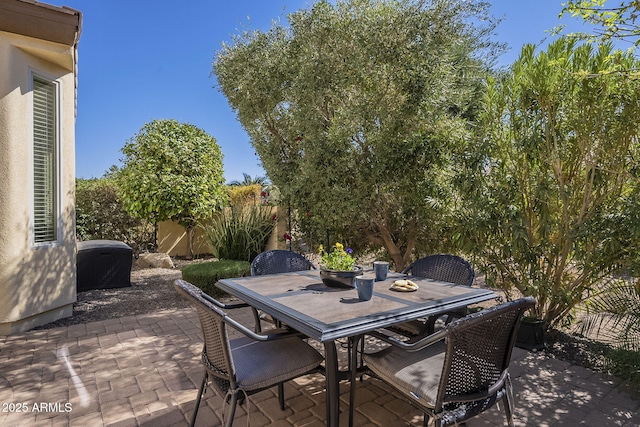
point(410, 345)
point(492, 390)
point(223, 305)
point(260, 337)
point(242, 304)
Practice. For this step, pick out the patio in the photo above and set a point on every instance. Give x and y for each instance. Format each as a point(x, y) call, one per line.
point(145, 370)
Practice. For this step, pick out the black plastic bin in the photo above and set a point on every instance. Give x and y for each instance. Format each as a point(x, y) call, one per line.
point(103, 264)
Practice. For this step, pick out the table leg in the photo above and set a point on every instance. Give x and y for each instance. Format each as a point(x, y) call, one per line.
point(332, 384)
point(353, 364)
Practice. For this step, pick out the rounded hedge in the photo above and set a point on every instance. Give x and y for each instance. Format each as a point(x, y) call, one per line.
point(205, 275)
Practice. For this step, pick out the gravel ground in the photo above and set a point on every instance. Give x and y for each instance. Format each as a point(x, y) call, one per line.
point(151, 291)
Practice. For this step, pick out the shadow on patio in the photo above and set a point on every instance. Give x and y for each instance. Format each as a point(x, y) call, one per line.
point(144, 370)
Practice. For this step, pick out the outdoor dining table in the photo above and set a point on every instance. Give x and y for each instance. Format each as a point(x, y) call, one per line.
point(304, 303)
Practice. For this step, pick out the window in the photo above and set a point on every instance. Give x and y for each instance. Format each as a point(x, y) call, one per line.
point(45, 161)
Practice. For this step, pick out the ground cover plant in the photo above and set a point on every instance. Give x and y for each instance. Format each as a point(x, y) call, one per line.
point(205, 274)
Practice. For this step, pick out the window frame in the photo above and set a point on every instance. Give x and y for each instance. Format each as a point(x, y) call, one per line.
point(57, 161)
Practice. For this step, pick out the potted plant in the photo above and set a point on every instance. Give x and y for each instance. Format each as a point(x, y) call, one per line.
point(531, 333)
point(337, 267)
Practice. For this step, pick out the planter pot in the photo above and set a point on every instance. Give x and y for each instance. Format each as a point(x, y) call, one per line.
point(531, 334)
point(340, 278)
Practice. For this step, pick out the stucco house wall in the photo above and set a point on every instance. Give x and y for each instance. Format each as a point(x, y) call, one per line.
point(37, 281)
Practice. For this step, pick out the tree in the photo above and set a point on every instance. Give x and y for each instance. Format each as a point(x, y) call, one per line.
point(100, 215)
point(356, 108)
point(617, 22)
point(172, 171)
point(551, 209)
point(249, 180)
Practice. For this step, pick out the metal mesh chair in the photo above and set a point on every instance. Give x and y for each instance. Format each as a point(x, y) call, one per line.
point(243, 366)
point(275, 262)
point(279, 261)
point(445, 267)
point(458, 372)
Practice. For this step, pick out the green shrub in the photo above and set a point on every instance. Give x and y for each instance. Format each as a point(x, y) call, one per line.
point(624, 364)
point(205, 275)
point(100, 215)
point(240, 232)
point(244, 194)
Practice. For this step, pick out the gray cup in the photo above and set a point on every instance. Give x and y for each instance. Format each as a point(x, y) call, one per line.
point(382, 269)
point(365, 288)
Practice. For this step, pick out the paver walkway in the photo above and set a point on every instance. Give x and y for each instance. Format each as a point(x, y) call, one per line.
point(144, 371)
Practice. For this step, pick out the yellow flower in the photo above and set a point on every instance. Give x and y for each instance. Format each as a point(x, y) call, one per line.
point(337, 259)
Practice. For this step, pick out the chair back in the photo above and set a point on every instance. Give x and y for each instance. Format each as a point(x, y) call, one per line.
point(216, 354)
point(279, 261)
point(445, 267)
point(478, 352)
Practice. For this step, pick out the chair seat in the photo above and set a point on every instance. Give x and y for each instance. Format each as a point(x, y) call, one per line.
point(410, 328)
point(458, 372)
point(242, 366)
point(261, 364)
point(416, 373)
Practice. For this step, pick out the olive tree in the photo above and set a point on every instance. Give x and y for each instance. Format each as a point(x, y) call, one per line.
point(609, 21)
point(172, 171)
point(355, 110)
point(549, 211)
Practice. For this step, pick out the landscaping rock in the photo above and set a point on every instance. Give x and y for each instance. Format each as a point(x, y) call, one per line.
point(154, 260)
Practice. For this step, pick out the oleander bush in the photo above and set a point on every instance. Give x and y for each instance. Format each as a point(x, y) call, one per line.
point(551, 198)
point(205, 275)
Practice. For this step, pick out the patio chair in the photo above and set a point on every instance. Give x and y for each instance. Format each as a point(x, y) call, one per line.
point(243, 366)
point(274, 262)
point(279, 261)
point(445, 267)
point(459, 371)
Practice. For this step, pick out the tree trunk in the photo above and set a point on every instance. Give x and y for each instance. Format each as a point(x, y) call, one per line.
point(382, 236)
point(190, 231)
point(155, 236)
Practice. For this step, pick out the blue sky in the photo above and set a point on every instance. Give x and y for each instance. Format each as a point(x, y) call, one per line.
point(143, 60)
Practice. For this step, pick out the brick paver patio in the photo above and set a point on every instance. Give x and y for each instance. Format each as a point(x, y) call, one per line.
point(144, 371)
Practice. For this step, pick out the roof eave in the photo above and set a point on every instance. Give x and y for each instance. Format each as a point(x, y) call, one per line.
point(34, 19)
